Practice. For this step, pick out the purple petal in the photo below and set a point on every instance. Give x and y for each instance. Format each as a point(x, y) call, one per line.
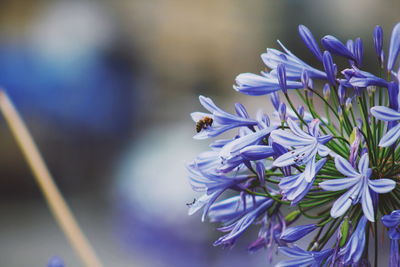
point(382, 186)
point(257, 152)
point(390, 137)
point(394, 47)
point(294, 127)
point(343, 203)
point(294, 156)
point(310, 42)
point(309, 171)
point(378, 40)
point(293, 234)
point(385, 114)
point(333, 45)
point(367, 205)
point(339, 184)
point(286, 138)
point(329, 68)
point(363, 164)
point(344, 167)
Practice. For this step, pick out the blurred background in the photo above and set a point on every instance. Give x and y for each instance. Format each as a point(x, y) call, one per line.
point(106, 87)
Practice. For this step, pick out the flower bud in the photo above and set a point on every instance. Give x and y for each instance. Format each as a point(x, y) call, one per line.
point(282, 77)
point(340, 113)
point(305, 79)
point(344, 232)
point(275, 100)
point(348, 103)
point(293, 234)
point(378, 40)
point(282, 111)
point(333, 45)
point(341, 94)
point(310, 42)
point(371, 90)
point(326, 91)
point(330, 68)
point(300, 110)
point(291, 217)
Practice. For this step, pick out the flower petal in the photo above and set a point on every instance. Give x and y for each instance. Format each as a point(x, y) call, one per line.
point(339, 184)
point(394, 47)
point(344, 167)
point(382, 186)
point(343, 203)
point(287, 139)
point(363, 164)
point(298, 131)
point(390, 137)
point(294, 156)
point(367, 205)
point(385, 114)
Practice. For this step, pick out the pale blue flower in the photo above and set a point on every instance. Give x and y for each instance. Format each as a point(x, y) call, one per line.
point(307, 145)
point(359, 187)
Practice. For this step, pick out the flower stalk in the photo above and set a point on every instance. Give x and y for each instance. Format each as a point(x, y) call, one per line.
point(43, 178)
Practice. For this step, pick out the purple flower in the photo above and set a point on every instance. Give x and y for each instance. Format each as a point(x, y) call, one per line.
point(213, 184)
point(222, 121)
point(333, 45)
point(293, 234)
point(253, 84)
point(394, 47)
point(294, 65)
point(295, 187)
point(303, 258)
point(359, 187)
point(392, 222)
point(351, 253)
point(310, 42)
point(307, 146)
point(241, 223)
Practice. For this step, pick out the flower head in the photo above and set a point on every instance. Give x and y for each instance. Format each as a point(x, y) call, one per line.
point(359, 186)
point(307, 145)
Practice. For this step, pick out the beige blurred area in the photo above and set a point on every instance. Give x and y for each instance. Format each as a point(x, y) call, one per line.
point(165, 53)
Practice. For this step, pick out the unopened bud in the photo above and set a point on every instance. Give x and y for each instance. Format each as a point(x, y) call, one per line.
point(326, 91)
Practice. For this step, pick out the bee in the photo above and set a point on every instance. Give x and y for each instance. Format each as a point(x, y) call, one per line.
point(191, 204)
point(203, 123)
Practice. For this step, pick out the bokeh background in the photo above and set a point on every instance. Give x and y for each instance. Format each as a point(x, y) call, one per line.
point(106, 87)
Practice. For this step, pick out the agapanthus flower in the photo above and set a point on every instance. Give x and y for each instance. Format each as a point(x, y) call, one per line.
point(336, 163)
point(307, 145)
point(295, 187)
point(392, 221)
point(237, 223)
point(351, 253)
point(359, 186)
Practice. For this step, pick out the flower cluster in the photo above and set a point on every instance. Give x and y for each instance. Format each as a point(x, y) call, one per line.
point(335, 160)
